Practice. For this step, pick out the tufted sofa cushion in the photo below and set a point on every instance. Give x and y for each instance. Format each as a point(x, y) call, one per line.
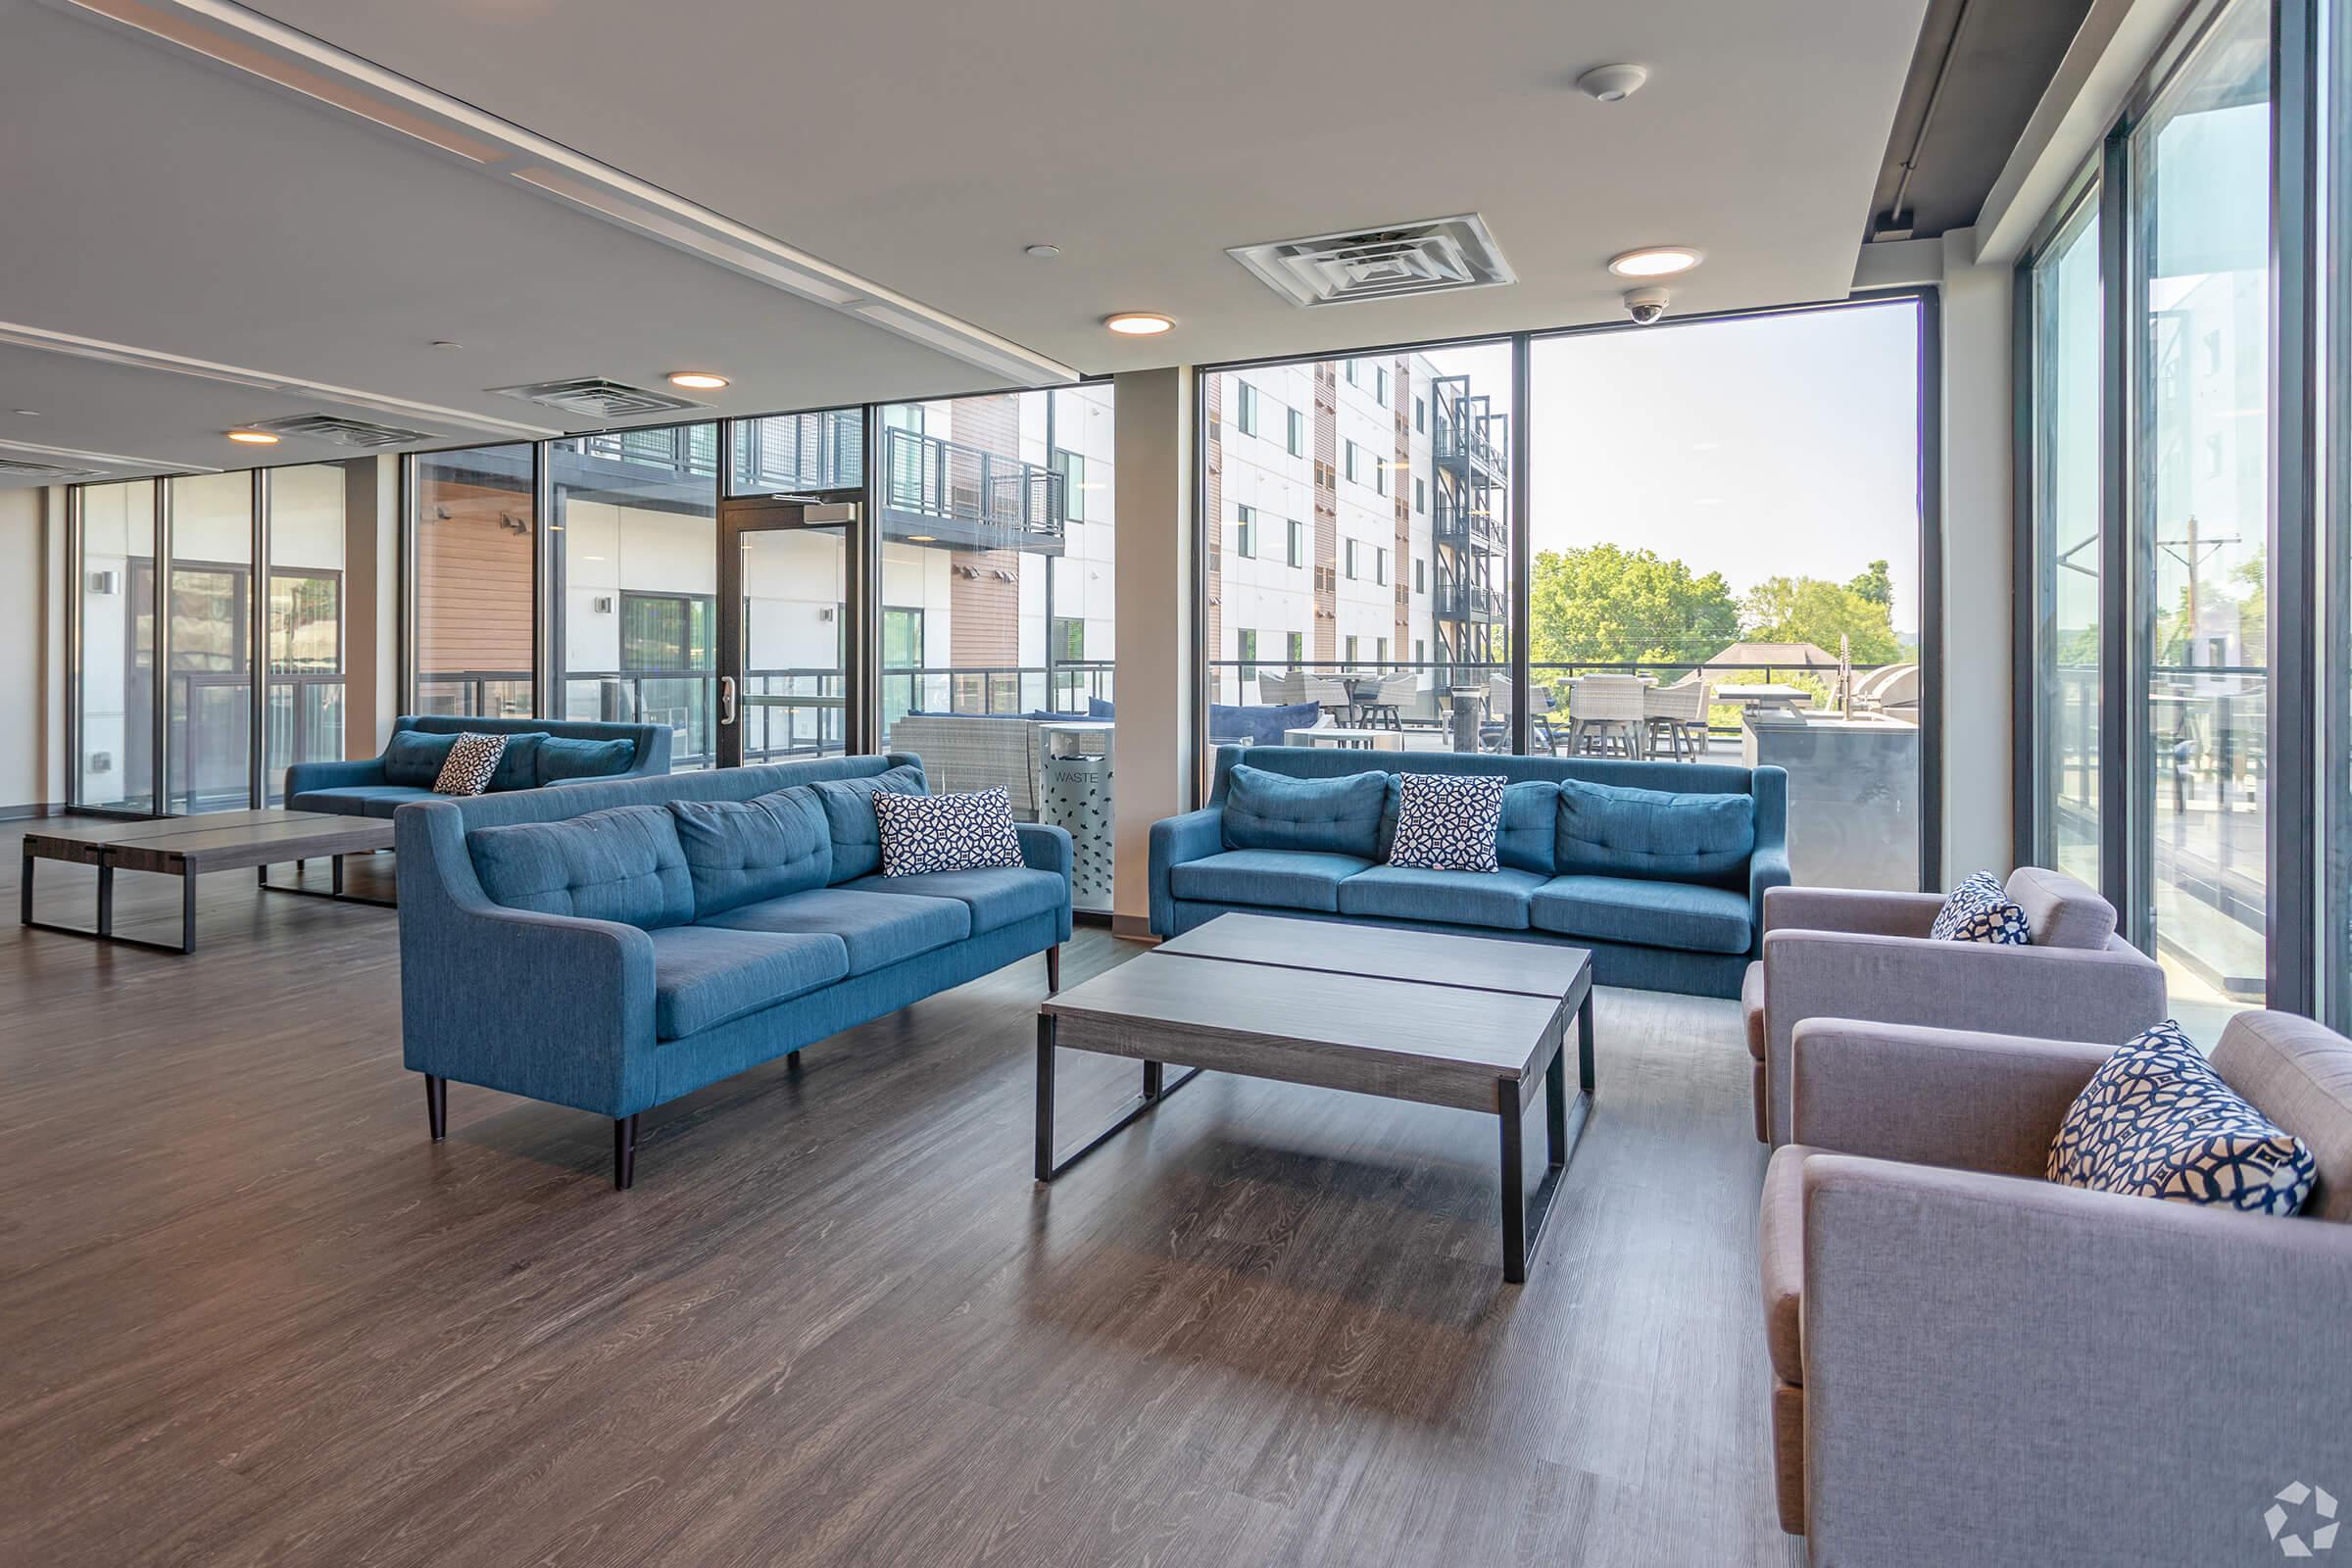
point(622, 865)
point(1343, 816)
point(1609, 830)
point(742, 851)
point(848, 807)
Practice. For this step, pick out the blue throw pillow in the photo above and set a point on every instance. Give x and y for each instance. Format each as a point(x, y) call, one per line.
point(741, 852)
point(414, 757)
point(518, 763)
point(562, 757)
point(848, 806)
point(1097, 707)
point(2157, 1121)
point(1257, 723)
point(1610, 830)
point(1266, 811)
point(622, 865)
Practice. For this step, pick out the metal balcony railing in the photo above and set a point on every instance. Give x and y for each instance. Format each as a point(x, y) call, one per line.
point(1469, 601)
point(936, 490)
point(1468, 528)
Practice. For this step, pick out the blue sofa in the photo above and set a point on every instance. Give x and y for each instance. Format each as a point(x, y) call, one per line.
point(555, 750)
point(1669, 896)
point(616, 944)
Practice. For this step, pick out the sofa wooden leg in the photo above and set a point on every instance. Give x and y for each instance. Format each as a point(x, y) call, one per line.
point(624, 1153)
point(436, 1105)
point(1054, 967)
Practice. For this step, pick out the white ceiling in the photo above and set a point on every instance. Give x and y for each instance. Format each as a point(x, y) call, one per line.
point(157, 198)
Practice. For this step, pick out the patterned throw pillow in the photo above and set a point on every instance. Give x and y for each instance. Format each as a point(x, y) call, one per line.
point(2157, 1121)
point(1981, 910)
point(472, 760)
point(1448, 822)
point(946, 832)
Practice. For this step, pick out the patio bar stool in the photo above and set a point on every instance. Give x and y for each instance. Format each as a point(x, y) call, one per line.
point(1677, 719)
point(1605, 716)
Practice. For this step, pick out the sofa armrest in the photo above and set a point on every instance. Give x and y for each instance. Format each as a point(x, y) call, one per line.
point(2106, 996)
point(1047, 848)
point(1935, 1097)
point(305, 776)
point(553, 1007)
point(1999, 1370)
point(1857, 909)
point(1194, 836)
point(1768, 875)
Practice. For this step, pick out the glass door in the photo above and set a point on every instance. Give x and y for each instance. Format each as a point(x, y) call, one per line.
point(788, 636)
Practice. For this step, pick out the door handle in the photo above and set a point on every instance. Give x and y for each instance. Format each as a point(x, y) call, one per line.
point(727, 699)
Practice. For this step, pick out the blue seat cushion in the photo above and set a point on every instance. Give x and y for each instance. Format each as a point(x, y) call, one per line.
point(1529, 836)
point(848, 806)
point(1609, 830)
point(414, 757)
point(560, 757)
point(1273, 879)
point(518, 762)
point(621, 864)
point(703, 975)
point(1266, 811)
point(1492, 898)
point(877, 928)
point(360, 799)
point(1260, 724)
point(1655, 914)
point(740, 851)
point(997, 896)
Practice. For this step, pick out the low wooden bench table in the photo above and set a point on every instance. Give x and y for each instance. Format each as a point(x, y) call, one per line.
point(1446, 1020)
point(187, 846)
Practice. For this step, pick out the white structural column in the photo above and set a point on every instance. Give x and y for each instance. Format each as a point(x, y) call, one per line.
point(1978, 533)
point(1158, 768)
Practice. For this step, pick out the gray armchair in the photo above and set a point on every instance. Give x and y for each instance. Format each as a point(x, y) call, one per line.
point(1848, 953)
point(1974, 1366)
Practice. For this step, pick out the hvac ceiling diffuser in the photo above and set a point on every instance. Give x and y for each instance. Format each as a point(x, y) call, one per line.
point(341, 431)
point(46, 472)
point(1432, 256)
point(598, 396)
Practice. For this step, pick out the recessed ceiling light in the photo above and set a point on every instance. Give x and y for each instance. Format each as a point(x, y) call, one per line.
point(1138, 324)
point(254, 438)
point(697, 381)
point(1044, 253)
point(447, 343)
point(29, 414)
point(1613, 84)
point(921, 538)
point(1654, 261)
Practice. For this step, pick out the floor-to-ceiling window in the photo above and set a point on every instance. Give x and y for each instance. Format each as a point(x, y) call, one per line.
point(2334, 861)
point(1357, 546)
point(115, 726)
point(2066, 306)
point(634, 520)
point(2200, 207)
point(1725, 562)
point(473, 541)
point(208, 635)
point(307, 626)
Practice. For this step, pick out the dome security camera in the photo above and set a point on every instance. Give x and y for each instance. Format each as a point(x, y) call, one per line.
point(1645, 304)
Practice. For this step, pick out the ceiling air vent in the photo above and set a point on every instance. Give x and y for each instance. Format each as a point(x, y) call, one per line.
point(335, 428)
point(46, 472)
point(598, 396)
point(1429, 256)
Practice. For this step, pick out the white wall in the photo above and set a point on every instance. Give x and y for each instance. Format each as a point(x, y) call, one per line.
point(29, 774)
point(1978, 529)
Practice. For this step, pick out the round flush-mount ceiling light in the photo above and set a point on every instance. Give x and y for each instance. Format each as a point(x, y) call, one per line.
point(697, 381)
point(1138, 324)
point(1654, 261)
point(1613, 84)
point(254, 438)
point(1043, 253)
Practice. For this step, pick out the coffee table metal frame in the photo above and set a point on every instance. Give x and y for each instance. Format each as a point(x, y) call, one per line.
point(1523, 1213)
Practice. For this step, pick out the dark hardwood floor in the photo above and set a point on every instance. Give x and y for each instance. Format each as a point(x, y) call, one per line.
point(251, 1315)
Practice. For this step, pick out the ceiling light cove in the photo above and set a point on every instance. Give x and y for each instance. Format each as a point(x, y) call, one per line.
point(698, 381)
point(254, 438)
point(1140, 323)
point(1654, 261)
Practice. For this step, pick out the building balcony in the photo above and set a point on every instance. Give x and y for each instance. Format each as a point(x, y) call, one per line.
point(937, 492)
point(1470, 602)
point(1463, 446)
point(1474, 528)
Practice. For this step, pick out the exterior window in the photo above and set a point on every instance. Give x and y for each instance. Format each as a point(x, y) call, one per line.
point(1246, 416)
point(1420, 649)
point(1350, 464)
point(1380, 387)
point(1246, 537)
point(1352, 373)
point(1298, 423)
point(1380, 567)
point(665, 633)
point(1380, 475)
point(1351, 560)
point(1421, 414)
point(1381, 652)
point(1071, 466)
point(1296, 642)
point(1298, 542)
point(1420, 576)
point(1420, 495)
point(1351, 646)
point(1244, 649)
point(1067, 638)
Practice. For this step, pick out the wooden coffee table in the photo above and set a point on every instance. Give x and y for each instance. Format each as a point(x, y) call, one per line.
point(1446, 1020)
point(185, 847)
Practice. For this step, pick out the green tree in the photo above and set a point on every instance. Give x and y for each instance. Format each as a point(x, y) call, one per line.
point(1813, 609)
point(1874, 585)
point(1605, 605)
